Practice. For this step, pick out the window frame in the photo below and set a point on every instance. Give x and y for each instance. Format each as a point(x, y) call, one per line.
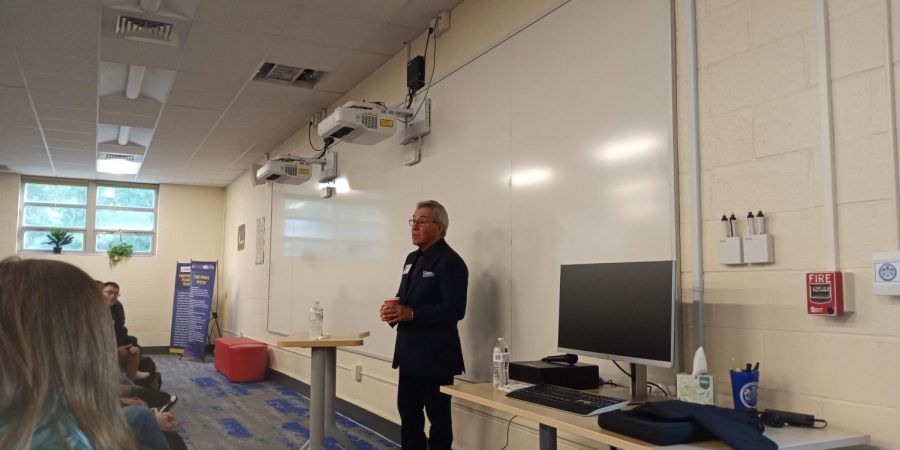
point(90, 231)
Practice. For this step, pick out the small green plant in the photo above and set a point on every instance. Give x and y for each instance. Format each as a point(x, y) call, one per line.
point(58, 239)
point(118, 251)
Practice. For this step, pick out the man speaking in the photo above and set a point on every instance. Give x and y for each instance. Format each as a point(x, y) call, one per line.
point(427, 350)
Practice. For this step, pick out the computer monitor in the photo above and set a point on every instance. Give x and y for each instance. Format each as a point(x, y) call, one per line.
point(622, 311)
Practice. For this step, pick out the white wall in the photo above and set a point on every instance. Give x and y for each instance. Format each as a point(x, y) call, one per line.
point(760, 149)
point(189, 227)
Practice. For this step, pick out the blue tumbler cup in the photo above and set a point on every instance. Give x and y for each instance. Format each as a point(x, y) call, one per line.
point(744, 389)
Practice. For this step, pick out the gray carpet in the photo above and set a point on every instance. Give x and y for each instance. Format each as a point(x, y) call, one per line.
point(218, 414)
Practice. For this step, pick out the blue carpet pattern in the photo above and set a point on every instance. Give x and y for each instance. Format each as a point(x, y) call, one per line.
point(215, 413)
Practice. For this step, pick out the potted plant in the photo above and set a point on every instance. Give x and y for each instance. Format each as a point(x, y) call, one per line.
point(58, 239)
point(118, 251)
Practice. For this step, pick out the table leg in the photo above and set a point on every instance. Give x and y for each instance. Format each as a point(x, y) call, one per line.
point(548, 437)
point(331, 429)
point(317, 395)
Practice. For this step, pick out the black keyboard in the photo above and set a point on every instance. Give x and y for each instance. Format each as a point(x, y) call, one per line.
point(566, 399)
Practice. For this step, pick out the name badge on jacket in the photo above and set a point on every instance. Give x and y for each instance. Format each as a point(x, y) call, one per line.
point(427, 274)
point(406, 268)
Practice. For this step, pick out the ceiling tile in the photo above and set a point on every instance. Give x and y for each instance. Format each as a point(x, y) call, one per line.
point(266, 16)
point(227, 41)
point(210, 84)
point(70, 16)
point(195, 99)
point(362, 63)
point(329, 29)
point(76, 171)
point(224, 66)
point(65, 145)
point(418, 13)
point(65, 98)
point(9, 69)
point(246, 160)
point(378, 11)
point(87, 138)
point(14, 101)
point(56, 112)
point(173, 148)
point(253, 105)
point(141, 106)
point(220, 156)
point(129, 120)
point(30, 37)
point(127, 51)
point(338, 82)
point(44, 61)
point(56, 82)
point(25, 141)
point(280, 94)
point(389, 39)
point(20, 120)
point(8, 131)
point(183, 117)
point(68, 125)
point(308, 55)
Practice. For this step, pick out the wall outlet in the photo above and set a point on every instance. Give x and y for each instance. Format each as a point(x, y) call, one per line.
point(358, 372)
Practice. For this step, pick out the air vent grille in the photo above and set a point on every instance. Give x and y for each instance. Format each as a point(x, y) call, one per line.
point(280, 73)
point(143, 28)
point(290, 170)
point(110, 155)
point(369, 120)
point(4, 168)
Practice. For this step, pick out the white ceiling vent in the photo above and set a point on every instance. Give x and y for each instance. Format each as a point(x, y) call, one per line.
point(137, 28)
point(122, 156)
point(290, 75)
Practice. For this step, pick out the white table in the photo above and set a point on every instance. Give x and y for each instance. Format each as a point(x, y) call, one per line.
point(322, 384)
point(551, 420)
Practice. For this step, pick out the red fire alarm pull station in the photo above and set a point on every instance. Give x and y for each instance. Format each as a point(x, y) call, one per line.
point(825, 293)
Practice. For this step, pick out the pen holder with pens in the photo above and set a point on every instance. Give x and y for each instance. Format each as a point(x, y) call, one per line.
point(745, 389)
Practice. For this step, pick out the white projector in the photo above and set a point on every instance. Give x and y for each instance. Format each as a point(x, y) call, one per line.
point(285, 172)
point(359, 123)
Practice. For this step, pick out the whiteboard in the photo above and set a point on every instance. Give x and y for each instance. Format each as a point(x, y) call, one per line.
point(554, 147)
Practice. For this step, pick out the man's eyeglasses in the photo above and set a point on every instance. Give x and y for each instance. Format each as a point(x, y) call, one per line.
point(413, 223)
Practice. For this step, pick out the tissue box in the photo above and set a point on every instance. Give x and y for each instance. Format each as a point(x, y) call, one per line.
point(700, 390)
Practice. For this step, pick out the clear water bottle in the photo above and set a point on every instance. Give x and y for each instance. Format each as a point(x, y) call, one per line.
point(501, 364)
point(316, 316)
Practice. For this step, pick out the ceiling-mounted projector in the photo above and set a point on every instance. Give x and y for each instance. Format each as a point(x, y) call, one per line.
point(285, 172)
point(361, 123)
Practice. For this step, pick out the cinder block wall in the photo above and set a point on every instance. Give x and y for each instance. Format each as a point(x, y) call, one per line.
point(761, 149)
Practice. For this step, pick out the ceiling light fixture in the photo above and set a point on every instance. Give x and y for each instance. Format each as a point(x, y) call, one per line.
point(135, 81)
point(124, 133)
point(118, 166)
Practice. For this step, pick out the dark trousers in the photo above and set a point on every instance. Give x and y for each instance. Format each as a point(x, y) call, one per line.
point(414, 394)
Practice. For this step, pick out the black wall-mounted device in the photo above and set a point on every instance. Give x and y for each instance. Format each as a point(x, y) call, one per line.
point(415, 73)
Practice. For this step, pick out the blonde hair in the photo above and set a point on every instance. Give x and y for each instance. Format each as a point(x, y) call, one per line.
point(58, 354)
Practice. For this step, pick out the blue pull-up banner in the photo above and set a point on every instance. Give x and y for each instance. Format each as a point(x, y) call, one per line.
point(195, 284)
point(181, 308)
point(203, 282)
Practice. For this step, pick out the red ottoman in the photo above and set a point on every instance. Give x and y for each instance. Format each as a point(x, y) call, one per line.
point(241, 359)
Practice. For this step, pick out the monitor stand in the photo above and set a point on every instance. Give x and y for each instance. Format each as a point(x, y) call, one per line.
point(638, 392)
point(638, 383)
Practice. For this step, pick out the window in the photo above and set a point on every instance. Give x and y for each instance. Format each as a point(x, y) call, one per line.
point(98, 214)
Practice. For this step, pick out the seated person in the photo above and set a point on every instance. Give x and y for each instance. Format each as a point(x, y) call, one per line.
point(151, 428)
point(58, 372)
point(128, 351)
point(132, 394)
